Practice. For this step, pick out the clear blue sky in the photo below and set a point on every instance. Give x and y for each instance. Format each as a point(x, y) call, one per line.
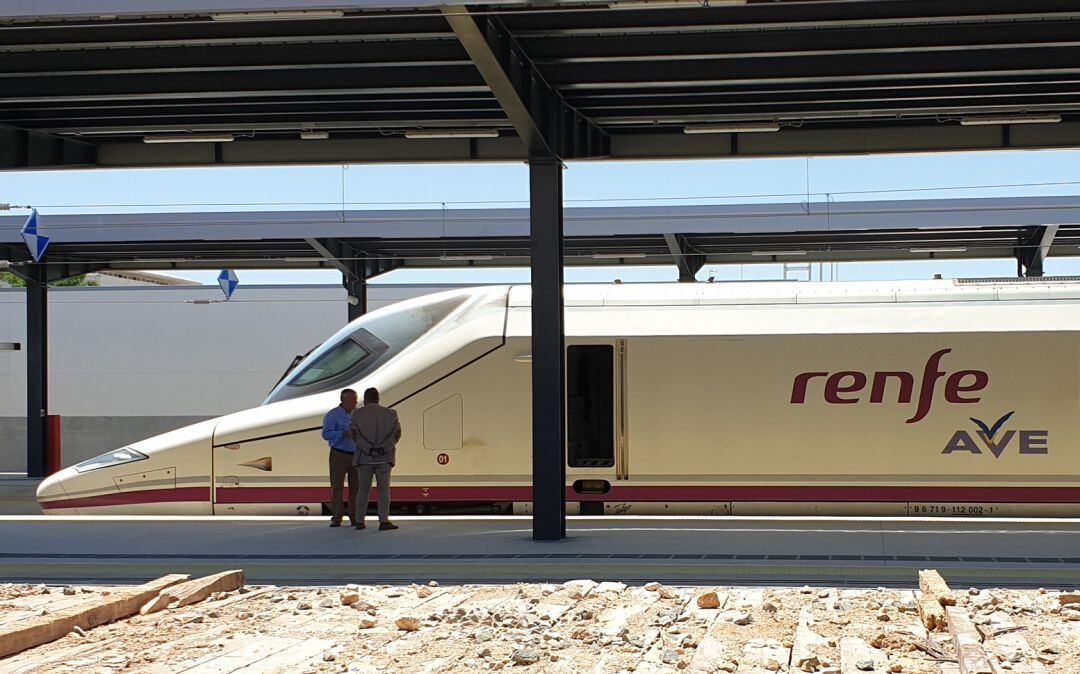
point(913, 176)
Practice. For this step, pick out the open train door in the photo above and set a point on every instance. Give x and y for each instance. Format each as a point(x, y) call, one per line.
point(596, 448)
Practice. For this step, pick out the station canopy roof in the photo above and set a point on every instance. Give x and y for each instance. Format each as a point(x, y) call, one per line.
point(370, 81)
point(689, 236)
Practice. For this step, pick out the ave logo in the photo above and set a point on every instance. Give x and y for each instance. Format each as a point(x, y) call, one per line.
point(996, 439)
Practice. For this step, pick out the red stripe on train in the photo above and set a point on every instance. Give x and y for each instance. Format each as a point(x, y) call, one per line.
point(680, 493)
point(181, 494)
point(236, 495)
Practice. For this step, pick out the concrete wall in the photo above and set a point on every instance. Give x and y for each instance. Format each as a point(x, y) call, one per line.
point(130, 362)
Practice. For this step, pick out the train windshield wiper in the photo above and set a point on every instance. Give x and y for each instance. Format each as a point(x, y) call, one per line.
point(292, 366)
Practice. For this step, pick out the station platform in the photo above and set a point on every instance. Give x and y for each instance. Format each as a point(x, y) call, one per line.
point(717, 550)
point(18, 494)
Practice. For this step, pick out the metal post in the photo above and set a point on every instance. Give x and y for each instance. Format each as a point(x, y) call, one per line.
point(356, 286)
point(548, 376)
point(37, 371)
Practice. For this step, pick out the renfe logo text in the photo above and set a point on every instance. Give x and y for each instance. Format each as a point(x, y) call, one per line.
point(848, 387)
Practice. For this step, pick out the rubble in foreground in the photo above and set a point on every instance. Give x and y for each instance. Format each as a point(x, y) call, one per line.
point(579, 626)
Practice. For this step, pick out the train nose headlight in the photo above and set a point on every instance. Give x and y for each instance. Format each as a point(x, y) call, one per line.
point(114, 458)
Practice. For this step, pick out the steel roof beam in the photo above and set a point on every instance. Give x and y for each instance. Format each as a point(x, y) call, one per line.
point(353, 263)
point(781, 92)
point(22, 149)
point(56, 268)
point(687, 262)
point(97, 36)
point(355, 267)
point(1035, 250)
point(718, 101)
point(165, 61)
point(340, 255)
point(195, 85)
point(780, 44)
point(291, 123)
point(909, 68)
point(545, 122)
point(342, 102)
point(794, 17)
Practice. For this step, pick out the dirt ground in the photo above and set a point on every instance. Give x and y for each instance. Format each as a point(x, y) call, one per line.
point(580, 626)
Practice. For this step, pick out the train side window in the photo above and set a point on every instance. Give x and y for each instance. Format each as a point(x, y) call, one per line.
point(590, 413)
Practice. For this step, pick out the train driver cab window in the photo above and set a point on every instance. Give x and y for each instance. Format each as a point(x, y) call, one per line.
point(590, 413)
point(342, 358)
point(362, 347)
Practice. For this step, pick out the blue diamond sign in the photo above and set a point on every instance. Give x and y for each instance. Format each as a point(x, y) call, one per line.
point(228, 282)
point(36, 242)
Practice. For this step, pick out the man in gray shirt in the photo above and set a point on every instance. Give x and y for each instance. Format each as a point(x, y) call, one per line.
point(377, 431)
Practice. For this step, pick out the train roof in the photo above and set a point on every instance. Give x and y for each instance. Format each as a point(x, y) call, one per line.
point(796, 292)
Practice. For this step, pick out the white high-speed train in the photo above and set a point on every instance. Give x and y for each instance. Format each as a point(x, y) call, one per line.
point(936, 397)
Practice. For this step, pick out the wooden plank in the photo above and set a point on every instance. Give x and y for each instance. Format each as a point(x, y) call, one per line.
point(933, 585)
point(614, 618)
point(384, 635)
point(969, 651)
point(252, 652)
point(558, 603)
point(711, 650)
point(1005, 640)
point(191, 650)
point(35, 660)
point(43, 629)
point(642, 612)
point(804, 651)
point(244, 597)
point(763, 656)
point(854, 650)
point(291, 660)
point(54, 606)
point(194, 591)
point(453, 651)
point(931, 613)
point(653, 640)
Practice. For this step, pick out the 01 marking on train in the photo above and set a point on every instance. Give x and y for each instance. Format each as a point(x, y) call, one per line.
point(1028, 441)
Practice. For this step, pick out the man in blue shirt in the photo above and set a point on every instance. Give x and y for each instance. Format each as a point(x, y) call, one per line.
point(336, 432)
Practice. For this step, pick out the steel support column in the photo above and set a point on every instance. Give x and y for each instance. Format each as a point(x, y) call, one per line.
point(356, 286)
point(1031, 256)
point(356, 267)
point(548, 353)
point(37, 370)
point(551, 130)
point(688, 263)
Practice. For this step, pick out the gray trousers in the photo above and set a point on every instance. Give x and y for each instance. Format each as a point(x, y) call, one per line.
point(341, 466)
point(381, 471)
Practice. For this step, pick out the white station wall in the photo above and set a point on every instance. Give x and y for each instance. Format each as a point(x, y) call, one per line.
point(149, 351)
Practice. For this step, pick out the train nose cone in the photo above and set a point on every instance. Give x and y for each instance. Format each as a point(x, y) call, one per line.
point(51, 490)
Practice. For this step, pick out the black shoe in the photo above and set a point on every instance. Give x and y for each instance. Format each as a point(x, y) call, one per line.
point(387, 526)
point(360, 525)
point(335, 523)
